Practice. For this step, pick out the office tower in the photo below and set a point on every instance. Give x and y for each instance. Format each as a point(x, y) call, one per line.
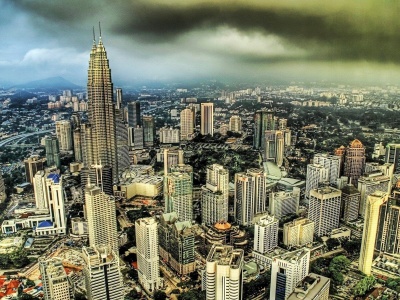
point(263, 120)
point(134, 118)
point(287, 270)
point(354, 161)
point(374, 201)
point(369, 183)
point(77, 144)
point(316, 175)
point(176, 243)
point(178, 194)
point(324, 209)
point(136, 138)
point(350, 203)
point(207, 119)
point(187, 124)
point(330, 162)
point(298, 232)
point(33, 164)
point(172, 157)
point(103, 279)
point(392, 156)
point(101, 111)
point(100, 176)
point(64, 135)
point(147, 253)
point(250, 195)
point(169, 135)
point(340, 152)
point(388, 235)
point(214, 195)
point(284, 203)
point(118, 102)
point(149, 131)
point(101, 217)
point(274, 146)
point(52, 152)
point(39, 187)
point(265, 233)
point(121, 132)
point(3, 194)
point(235, 124)
point(224, 273)
point(54, 279)
point(312, 287)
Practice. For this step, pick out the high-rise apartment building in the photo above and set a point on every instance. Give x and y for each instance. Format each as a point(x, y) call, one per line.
point(284, 203)
point(176, 243)
point(149, 131)
point(350, 203)
point(52, 152)
point(263, 120)
point(224, 273)
point(298, 232)
point(214, 195)
point(77, 138)
point(171, 157)
point(250, 195)
point(207, 119)
point(134, 118)
point(371, 220)
point(39, 188)
point(169, 135)
point(103, 279)
point(274, 146)
point(101, 217)
point(287, 270)
point(147, 253)
point(64, 135)
point(54, 279)
point(101, 112)
point(331, 163)
point(388, 235)
point(33, 164)
point(324, 209)
point(187, 124)
point(316, 175)
point(369, 183)
point(392, 156)
point(265, 233)
point(354, 161)
point(312, 287)
point(235, 124)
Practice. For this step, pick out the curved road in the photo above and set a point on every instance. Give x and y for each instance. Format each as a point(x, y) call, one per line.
point(22, 136)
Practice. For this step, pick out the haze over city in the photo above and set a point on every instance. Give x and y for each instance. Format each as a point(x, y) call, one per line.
point(164, 41)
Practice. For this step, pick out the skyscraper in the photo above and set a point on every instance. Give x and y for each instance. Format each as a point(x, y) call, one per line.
point(149, 130)
point(265, 233)
point(324, 209)
point(52, 152)
point(284, 203)
point(134, 118)
point(33, 164)
point(54, 279)
point(374, 201)
point(354, 161)
point(147, 253)
point(392, 155)
point(331, 163)
point(214, 195)
point(118, 102)
point(316, 174)
point(350, 203)
point(122, 140)
point(263, 120)
point(298, 232)
point(64, 135)
point(187, 124)
point(101, 217)
point(235, 124)
point(101, 112)
point(207, 119)
point(388, 235)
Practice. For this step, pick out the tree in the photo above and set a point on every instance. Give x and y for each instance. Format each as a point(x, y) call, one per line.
point(79, 296)
point(132, 295)
point(332, 244)
point(339, 263)
point(159, 295)
point(30, 283)
point(364, 285)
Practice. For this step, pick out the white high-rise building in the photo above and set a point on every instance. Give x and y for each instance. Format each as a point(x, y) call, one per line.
point(103, 279)
point(207, 119)
point(39, 187)
point(214, 195)
point(64, 135)
point(54, 279)
point(330, 162)
point(224, 273)
point(235, 124)
point(187, 124)
point(324, 209)
point(284, 203)
point(298, 232)
point(287, 270)
point(101, 217)
point(147, 253)
point(316, 174)
point(265, 233)
point(169, 136)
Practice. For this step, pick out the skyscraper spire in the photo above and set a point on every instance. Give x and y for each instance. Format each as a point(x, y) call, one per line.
point(94, 37)
point(100, 31)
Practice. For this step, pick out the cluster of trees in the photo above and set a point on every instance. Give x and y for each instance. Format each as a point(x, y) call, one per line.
point(14, 260)
point(364, 285)
point(253, 287)
point(332, 268)
point(192, 295)
point(393, 284)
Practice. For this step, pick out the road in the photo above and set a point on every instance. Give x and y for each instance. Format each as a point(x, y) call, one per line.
point(326, 254)
point(22, 136)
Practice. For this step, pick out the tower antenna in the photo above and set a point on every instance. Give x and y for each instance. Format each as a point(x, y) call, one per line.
point(94, 36)
point(100, 29)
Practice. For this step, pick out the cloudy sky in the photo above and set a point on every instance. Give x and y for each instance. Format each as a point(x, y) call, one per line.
point(164, 40)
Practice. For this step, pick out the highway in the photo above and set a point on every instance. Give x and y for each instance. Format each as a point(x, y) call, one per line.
point(22, 136)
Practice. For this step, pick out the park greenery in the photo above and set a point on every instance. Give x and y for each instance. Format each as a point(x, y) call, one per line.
point(332, 268)
point(364, 285)
point(14, 260)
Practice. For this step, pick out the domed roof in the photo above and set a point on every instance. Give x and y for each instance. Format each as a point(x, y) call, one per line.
point(222, 225)
point(356, 144)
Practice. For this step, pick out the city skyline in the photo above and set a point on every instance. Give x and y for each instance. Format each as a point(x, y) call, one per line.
point(168, 41)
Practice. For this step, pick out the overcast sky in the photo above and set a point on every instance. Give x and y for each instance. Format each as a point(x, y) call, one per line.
point(163, 40)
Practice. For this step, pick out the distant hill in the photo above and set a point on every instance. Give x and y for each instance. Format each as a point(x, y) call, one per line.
point(58, 83)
